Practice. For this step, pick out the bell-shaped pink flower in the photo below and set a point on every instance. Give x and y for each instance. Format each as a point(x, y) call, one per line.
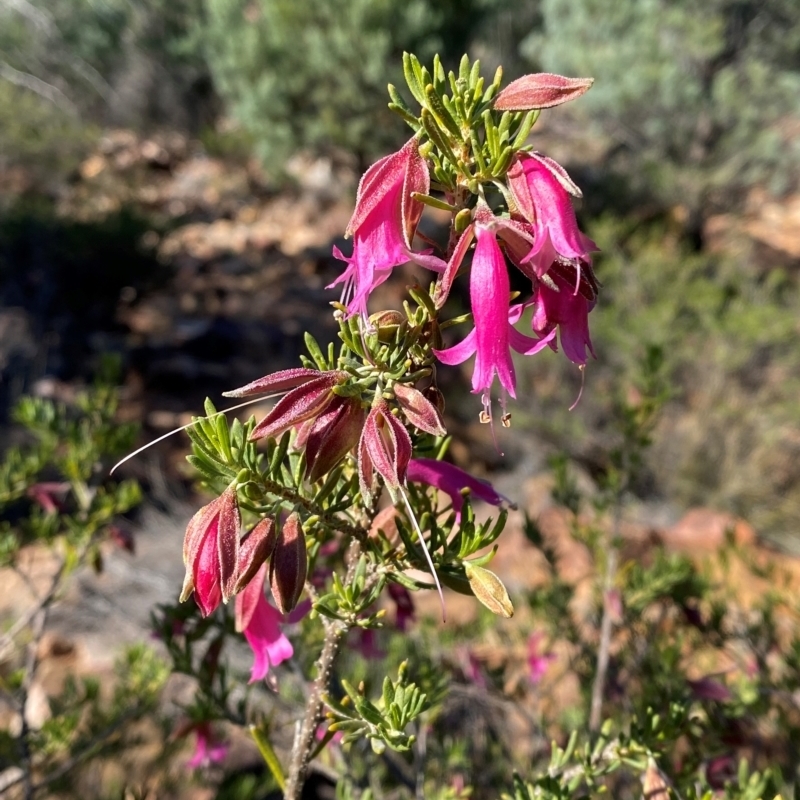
point(452, 480)
point(493, 336)
point(569, 311)
point(211, 552)
point(541, 189)
point(260, 622)
point(383, 225)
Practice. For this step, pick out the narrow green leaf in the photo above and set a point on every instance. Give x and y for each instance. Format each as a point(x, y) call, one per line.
point(315, 352)
point(411, 74)
point(443, 116)
point(269, 755)
point(527, 123)
point(407, 116)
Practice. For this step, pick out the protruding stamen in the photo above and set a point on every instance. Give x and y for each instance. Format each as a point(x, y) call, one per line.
point(486, 415)
point(582, 368)
point(415, 524)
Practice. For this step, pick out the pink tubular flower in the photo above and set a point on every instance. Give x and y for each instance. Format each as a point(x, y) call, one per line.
point(207, 750)
point(541, 189)
point(538, 661)
point(452, 480)
point(493, 334)
point(211, 552)
point(569, 311)
point(260, 623)
point(383, 225)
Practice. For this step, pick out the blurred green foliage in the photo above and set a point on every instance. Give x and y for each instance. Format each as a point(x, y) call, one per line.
point(727, 436)
point(699, 100)
point(304, 74)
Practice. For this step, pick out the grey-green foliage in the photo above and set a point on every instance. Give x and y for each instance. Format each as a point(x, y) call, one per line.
point(704, 96)
point(301, 73)
point(119, 60)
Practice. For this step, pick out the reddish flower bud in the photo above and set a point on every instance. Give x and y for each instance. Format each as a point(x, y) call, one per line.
point(255, 548)
point(211, 552)
point(418, 410)
point(280, 381)
point(541, 90)
point(299, 405)
point(385, 448)
point(289, 565)
point(333, 435)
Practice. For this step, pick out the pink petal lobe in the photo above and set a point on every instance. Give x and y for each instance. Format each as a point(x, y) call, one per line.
point(460, 352)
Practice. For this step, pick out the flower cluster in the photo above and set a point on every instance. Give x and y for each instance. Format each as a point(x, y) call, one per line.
point(534, 228)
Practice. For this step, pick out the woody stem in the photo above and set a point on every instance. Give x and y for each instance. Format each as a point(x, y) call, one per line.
point(305, 738)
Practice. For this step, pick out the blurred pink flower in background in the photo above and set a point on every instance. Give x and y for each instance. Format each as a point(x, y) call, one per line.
point(207, 750)
point(538, 660)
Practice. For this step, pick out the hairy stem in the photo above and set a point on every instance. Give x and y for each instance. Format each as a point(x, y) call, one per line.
point(305, 738)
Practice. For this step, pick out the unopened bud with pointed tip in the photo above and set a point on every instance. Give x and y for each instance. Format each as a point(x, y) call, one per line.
point(281, 381)
point(541, 90)
point(489, 589)
point(255, 548)
point(289, 565)
point(303, 403)
point(333, 435)
point(418, 410)
point(211, 552)
point(385, 448)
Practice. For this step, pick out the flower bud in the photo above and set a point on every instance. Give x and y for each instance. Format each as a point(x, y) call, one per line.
point(289, 565)
point(541, 90)
point(280, 381)
point(387, 323)
point(418, 410)
point(333, 435)
point(385, 448)
point(254, 549)
point(211, 552)
point(489, 589)
point(299, 405)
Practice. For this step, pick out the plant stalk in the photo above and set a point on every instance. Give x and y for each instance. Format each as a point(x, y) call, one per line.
point(306, 736)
